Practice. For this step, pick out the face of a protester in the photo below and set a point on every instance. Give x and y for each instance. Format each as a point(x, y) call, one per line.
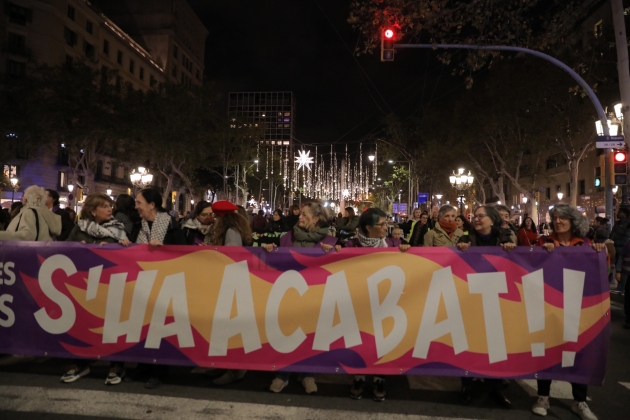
point(448, 217)
point(144, 209)
point(276, 217)
point(561, 224)
point(424, 219)
point(103, 212)
point(435, 213)
point(397, 234)
point(482, 222)
point(206, 217)
point(460, 222)
point(49, 200)
point(528, 223)
point(505, 216)
point(416, 214)
point(307, 221)
point(379, 230)
point(296, 212)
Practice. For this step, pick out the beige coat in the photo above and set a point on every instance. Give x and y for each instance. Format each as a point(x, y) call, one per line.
point(438, 237)
point(49, 225)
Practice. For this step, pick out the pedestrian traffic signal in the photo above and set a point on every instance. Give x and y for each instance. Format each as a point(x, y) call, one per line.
point(598, 182)
point(620, 167)
point(387, 45)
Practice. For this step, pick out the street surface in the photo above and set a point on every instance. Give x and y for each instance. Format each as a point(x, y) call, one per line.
point(32, 391)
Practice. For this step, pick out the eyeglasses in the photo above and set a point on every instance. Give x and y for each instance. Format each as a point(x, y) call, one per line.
point(479, 216)
point(380, 224)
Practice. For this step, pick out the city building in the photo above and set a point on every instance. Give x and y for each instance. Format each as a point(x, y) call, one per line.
point(167, 35)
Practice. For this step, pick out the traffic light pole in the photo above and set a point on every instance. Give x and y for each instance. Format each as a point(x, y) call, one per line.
point(598, 106)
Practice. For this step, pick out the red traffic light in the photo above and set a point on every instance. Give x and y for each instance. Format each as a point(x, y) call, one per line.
point(621, 156)
point(389, 34)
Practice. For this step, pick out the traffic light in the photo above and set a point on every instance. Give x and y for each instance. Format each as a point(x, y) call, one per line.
point(387, 45)
point(598, 176)
point(620, 166)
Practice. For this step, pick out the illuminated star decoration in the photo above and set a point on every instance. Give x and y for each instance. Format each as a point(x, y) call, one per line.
point(346, 193)
point(304, 159)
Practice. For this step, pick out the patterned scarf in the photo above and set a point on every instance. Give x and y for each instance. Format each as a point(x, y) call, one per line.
point(111, 229)
point(157, 231)
point(371, 242)
point(206, 230)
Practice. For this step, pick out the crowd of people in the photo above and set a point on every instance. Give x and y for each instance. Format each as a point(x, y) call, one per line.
point(143, 220)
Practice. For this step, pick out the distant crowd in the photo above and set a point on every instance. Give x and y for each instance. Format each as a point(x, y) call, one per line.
point(143, 220)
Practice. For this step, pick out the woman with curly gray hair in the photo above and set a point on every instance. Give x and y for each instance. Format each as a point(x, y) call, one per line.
point(34, 222)
point(569, 229)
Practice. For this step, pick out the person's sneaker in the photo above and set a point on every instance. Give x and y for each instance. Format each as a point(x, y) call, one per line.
point(74, 373)
point(378, 390)
point(356, 392)
point(309, 385)
point(115, 376)
point(278, 385)
point(582, 410)
point(229, 377)
point(541, 406)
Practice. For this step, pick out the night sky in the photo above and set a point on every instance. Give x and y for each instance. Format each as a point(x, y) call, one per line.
point(305, 46)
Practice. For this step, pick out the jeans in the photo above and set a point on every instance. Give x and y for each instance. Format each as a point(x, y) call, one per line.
point(579, 390)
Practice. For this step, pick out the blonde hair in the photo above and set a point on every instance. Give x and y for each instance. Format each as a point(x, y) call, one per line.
point(92, 202)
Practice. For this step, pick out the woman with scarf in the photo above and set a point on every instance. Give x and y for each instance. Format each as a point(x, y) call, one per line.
point(199, 230)
point(157, 228)
point(445, 232)
point(311, 231)
point(569, 229)
point(126, 213)
point(372, 234)
point(231, 229)
point(96, 226)
point(527, 233)
point(486, 231)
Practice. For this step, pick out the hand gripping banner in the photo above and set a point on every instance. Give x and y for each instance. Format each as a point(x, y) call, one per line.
point(528, 313)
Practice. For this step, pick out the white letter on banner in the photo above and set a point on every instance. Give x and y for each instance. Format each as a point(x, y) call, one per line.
point(4, 309)
point(336, 295)
point(388, 308)
point(235, 284)
point(132, 327)
point(490, 285)
point(62, 324)
point(8, 270)
point(173, 291)
point(442, 286)
point(282, 343)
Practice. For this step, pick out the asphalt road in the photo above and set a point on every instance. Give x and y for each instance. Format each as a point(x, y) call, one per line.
point(32, 391)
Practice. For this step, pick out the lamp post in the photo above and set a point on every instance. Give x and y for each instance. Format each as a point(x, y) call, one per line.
point(14, 186)
point(70, 189)
point(439, 198)
point(140, 178)
point(461, 182)
point(560, 195)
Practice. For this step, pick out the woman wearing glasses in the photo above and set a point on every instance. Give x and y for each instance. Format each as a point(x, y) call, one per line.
point(446, 232)
point(372, 234)
point(199, 229)
point(569, 229)
point(486, 231)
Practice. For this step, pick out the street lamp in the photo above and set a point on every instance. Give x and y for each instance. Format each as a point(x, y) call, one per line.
point(15, 186)
point(560, 195)
point(439, 198)
point(371, 158)
point(461, 182)
point(109, 191)
point(615, 189)
point(140, 178)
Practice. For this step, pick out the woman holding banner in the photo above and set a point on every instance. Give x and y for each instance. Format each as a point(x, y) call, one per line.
point(311, 231)
point(372, 234)
point(96, 226)
point(569, 229)
point(486, 231)
point(445, 232)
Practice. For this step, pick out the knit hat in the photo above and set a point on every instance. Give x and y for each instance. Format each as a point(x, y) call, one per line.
point(223, 207)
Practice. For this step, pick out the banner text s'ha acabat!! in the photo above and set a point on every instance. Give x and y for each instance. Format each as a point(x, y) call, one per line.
point(430, 311)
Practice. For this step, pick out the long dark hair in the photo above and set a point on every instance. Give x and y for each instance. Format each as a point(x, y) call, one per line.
point(524, 226)
point(151, 195)
point(496, 218)
point(351, 214)
point(232, 221)
point(467, 225)
point(125, 204)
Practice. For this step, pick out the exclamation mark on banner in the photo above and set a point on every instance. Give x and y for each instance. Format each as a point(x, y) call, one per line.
point(573, 284)
point(534, 294)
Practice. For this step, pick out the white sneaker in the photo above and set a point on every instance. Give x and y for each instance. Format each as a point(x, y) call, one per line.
point(74, 373)
point(278, 385)
point(582, 410)
point(309, 385)
point(541, 406)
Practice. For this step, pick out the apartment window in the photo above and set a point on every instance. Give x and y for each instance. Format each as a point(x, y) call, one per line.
point(69, 61)
point(71, 12)
point(106, 47)
point(132, 66)
point(89, 27)
point(598, 29)
point(15, 68)
point(70, 36)
point(548, 193)
point(582, 186)
point(152, 81)
point(88, 49)
point(174, 71)
point(141, 73)
point(119, 57)
point(175, 51)
point(568, 189)
point(16, 43)
point(18, 14)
